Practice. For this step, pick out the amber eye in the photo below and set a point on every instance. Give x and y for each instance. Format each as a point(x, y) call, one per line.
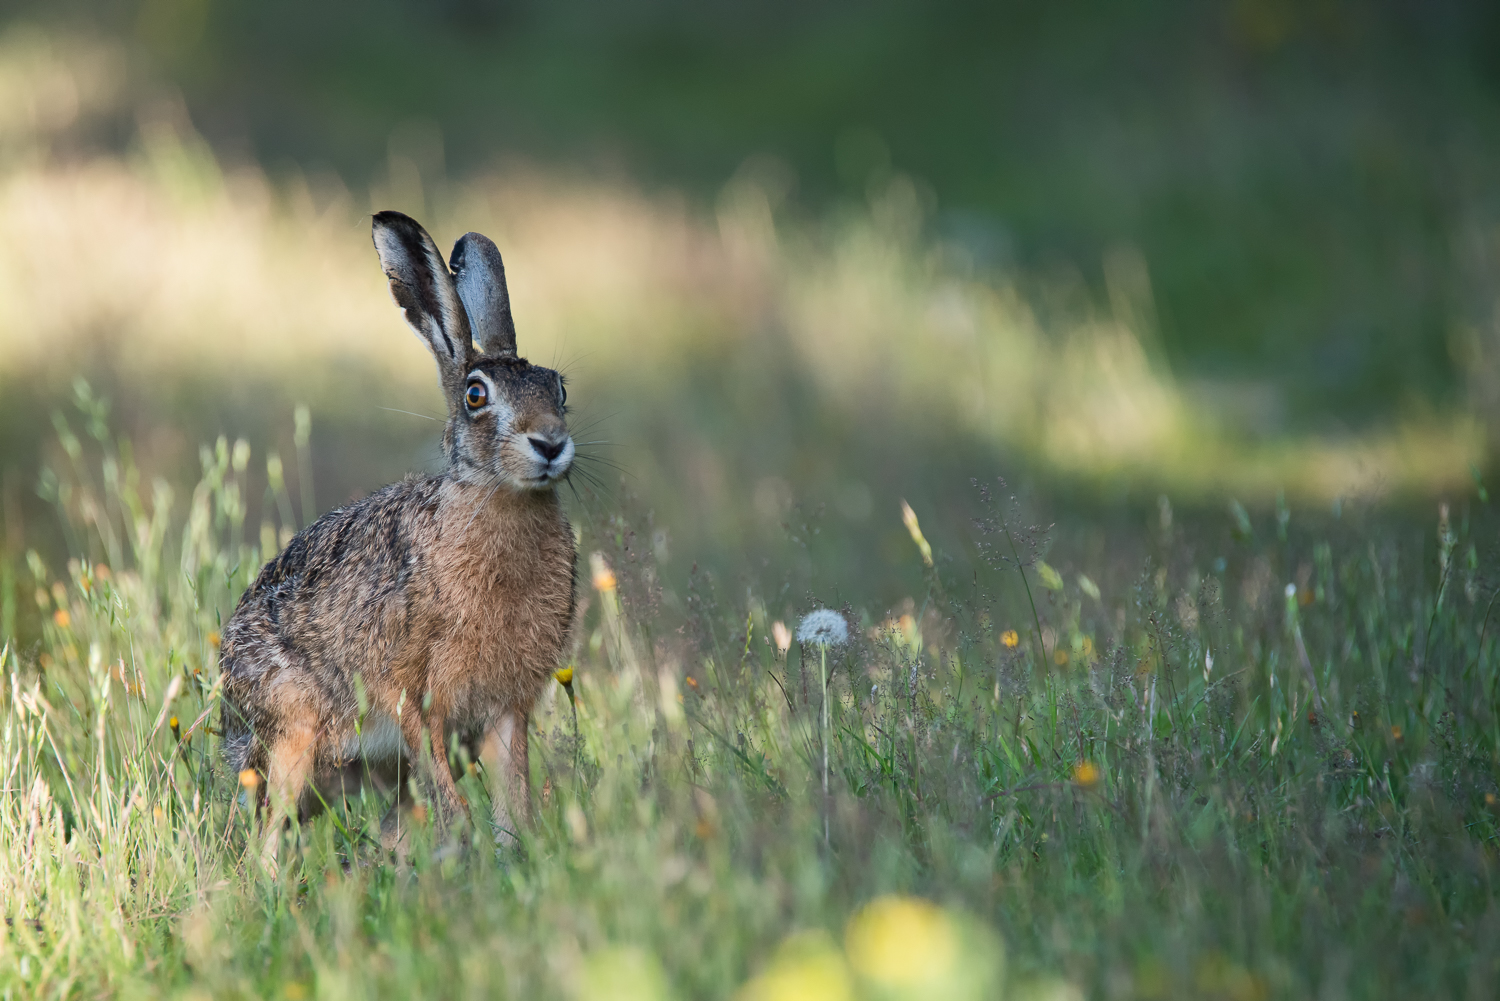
point(477, 396)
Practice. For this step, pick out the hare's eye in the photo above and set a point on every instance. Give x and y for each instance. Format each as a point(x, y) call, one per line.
point(477, 396)
point(562, 392)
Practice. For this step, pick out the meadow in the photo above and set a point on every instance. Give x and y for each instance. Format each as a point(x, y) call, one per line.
point(1178, 711)
point(1272, 774)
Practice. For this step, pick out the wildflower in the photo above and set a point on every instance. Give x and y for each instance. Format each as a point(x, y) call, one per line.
point(806, 966)
point(621, 972)
point(1086, 775)
point(692, 682)
point(823, 627)
point(250, 778)
point(1489, 799)
point(909, 517)
point(564, 676)
point(1060, 657)
point(213, 639)
point(176, 733)
point(604, 577)
point(902, 943)
point(62, 618)
point(1395, 733)
point(1010, 638)
point(782, 635)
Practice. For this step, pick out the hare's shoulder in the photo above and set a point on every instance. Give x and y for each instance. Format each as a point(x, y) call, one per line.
point(376, 529)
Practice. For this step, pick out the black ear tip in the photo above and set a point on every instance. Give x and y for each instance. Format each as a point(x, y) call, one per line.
point(391, 219)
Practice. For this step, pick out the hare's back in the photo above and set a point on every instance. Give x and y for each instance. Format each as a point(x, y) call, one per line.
point(345, 588)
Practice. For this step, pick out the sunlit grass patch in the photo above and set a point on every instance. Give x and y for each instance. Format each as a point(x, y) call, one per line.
point(164, 264)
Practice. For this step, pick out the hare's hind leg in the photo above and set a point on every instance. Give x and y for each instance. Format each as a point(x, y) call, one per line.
point(507, 771)
point(289, 760)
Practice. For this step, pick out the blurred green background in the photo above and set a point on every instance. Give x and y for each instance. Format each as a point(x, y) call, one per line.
point(1114, 250)
point(1305, 179)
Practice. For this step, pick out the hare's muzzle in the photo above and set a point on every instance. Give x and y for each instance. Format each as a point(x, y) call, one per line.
point(553, 454)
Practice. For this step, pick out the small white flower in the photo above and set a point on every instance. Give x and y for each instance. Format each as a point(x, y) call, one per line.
point(824, 627)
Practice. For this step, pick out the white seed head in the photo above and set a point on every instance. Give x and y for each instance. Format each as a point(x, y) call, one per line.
point(824, 627)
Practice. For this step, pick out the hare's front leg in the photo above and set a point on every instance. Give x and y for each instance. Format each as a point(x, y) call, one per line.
point(507, 773)
point(447, 800)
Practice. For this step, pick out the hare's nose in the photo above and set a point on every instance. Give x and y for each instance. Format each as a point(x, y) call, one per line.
point(548, 450)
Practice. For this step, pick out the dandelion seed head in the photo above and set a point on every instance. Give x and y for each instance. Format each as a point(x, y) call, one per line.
point(823, 627)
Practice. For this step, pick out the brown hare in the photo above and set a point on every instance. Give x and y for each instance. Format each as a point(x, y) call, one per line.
point(446, 599)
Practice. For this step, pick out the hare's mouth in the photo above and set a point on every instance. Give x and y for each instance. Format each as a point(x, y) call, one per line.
point(538, 461)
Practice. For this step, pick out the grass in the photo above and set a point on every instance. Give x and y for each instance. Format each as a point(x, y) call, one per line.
point(1047, 779)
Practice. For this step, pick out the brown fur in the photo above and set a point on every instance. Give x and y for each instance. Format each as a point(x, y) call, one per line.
point(448, 599)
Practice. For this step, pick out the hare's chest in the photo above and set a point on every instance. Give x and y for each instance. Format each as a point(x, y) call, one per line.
point(511, 592)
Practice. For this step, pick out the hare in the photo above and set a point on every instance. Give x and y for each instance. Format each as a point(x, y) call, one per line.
point(448, 599)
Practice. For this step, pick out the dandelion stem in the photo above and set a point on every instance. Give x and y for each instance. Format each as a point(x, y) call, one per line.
point(823, 672)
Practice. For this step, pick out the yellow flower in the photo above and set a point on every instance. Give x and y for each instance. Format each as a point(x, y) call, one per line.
point(62, 618)
point(622, 973)
point(902, 943)
point(213, 639)
point(1060, 657)
point(1086, 774)
point(564, 676)
point(1395, 733)
point(249, 778)
point(1010, 638)
point(604, 580)
point(806, 967)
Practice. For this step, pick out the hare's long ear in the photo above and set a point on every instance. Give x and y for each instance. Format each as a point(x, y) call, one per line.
point(479, 275)
point(423, 288)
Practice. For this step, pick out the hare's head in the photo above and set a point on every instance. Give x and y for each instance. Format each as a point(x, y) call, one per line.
point(506, 420)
